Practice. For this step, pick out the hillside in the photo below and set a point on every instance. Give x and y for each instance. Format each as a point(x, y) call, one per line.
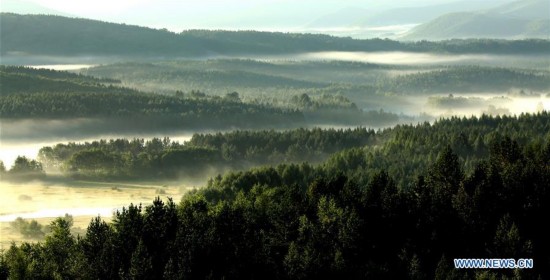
point(53, 95)
point(520, 19)
point(417, 15)
point(25, 35)
point(45, 94)
point(284, 80)
point(525, 9)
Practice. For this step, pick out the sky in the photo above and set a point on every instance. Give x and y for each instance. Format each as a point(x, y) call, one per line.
point(109, 7)
point(217, 14)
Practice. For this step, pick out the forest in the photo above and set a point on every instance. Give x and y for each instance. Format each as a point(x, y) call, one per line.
point(348, 150)
point(293, 77)
point(203, 155)
point(369, 86)
point(47, 94)
point(272, 155)
point(476, 187)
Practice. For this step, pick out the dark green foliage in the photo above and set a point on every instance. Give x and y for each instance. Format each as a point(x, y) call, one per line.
point(42, 77)
point(83, 37)
point(60, 250)
point(467, 79)
point(372, 151)
point(97, 247)
point(332, 228)
point(422, 144)
point(348, 218)
point(69, 96)
point(57, 258)
point(202, 155)
point(25, 165)
point(25, 169)
point(4, 268)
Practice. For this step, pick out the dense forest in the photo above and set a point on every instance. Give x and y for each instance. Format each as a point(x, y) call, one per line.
point(311, 76)
point(341, 92)
point(300, 174)
point(403, 207)
point(352, 151)
point(203, 155)
point(47, 94)
point(56, 35)
point(469, 79)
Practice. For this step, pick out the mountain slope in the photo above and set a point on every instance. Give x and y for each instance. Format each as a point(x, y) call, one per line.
point(27, 7)
point(516, 20)
point(415, 15)
point(356, 16)
point(525, 9)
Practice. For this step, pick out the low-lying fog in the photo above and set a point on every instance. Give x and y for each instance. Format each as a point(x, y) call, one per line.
point(82, 200)
point(391, 57)
point(63, 67)
point(26, 137)
point(471, 104)
point(419, 58)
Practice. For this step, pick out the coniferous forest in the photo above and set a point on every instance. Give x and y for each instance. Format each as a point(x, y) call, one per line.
point(216, 154)
point(373, 211)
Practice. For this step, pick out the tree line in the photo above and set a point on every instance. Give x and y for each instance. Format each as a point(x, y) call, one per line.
point(352, 151)
point(23, 169)
point(203, 155)
point(467, 79)
point(45, 94)
point(48, 94)
point(57, 35)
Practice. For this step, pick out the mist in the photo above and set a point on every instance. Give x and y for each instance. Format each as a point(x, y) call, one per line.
point(472, 104)
point(44, 201)
point(426, 59)
point(27, 136)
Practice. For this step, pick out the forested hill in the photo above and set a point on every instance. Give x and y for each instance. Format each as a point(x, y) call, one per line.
point(45, 94)
point(56, 35)
point(518, 19)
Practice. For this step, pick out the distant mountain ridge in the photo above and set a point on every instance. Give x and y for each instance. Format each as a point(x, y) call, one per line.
point(43, 35)
point(525, 9)
point(516, 20)
point(27, 7)
point(361, 17)
point(410, 15)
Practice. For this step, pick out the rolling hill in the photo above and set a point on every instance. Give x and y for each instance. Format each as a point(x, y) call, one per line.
point(361, 17)
point(45, 35)
point(516, 20)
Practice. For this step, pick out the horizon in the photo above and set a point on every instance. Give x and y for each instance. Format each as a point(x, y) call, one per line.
point(267, 15)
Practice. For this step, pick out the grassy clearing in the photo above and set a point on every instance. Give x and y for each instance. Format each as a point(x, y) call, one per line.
point(81, 199)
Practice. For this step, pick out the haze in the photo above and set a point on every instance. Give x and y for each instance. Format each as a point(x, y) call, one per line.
point(274, 15)
point(362, 139)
